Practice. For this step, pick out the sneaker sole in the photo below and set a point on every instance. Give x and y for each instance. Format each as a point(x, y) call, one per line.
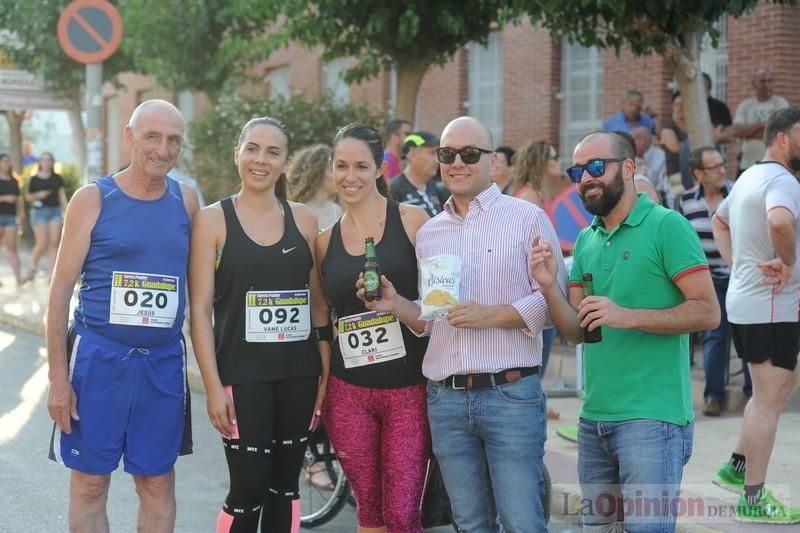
point(748, 520)
point(736, 489)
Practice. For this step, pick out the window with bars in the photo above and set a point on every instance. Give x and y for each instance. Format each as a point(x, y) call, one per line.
point(714, 61)
point(485, 84)
point(333, 80)
point(581, 95)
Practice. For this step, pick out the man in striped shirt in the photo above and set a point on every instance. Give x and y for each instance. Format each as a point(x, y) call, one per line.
point(486, 407)
point(698, 205)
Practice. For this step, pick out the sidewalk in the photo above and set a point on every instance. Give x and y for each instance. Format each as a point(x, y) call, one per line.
point(713, 437)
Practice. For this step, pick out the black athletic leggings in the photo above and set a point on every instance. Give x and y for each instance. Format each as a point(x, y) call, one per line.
point(265, 455)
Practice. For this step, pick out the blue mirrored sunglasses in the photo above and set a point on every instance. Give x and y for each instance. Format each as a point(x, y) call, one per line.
point(595, 168)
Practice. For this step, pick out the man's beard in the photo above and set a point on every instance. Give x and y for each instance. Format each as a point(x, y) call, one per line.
point(794, 163)
point(603, 204)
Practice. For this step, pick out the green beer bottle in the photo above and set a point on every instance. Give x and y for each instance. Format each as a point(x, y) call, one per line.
point(372, 273)
point(588, 290)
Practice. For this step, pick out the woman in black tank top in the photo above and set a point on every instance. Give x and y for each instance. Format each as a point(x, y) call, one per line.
point(253, 264)
point(375, 412)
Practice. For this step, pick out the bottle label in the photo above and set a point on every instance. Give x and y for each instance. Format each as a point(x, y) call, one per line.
point(371, 280)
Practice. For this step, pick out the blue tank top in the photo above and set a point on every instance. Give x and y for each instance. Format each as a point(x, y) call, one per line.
point(133, 281)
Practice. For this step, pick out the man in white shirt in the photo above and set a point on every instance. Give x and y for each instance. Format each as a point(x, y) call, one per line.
point(752, 115)
point(755, 229)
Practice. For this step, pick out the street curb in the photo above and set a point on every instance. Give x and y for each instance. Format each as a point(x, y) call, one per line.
point(192, 373)
point(18, 323)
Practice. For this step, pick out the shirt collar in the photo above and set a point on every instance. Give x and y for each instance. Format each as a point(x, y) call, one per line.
point(701, 193)
point(640, 210)
point(483, 200)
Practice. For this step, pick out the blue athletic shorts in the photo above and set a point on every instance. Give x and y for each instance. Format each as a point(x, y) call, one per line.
point(132, 403)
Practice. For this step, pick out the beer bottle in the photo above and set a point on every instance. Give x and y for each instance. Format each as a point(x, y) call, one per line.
point(372, 273)
point(588, 290)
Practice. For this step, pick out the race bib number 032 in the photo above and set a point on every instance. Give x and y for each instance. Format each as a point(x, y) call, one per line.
point(277, 316)
point(149, 300)
point(370, 338)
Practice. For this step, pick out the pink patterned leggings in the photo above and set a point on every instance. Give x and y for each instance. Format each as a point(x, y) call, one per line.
point(383, 442)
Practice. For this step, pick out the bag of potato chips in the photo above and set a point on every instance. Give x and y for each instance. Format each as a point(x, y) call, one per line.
point(441, 277)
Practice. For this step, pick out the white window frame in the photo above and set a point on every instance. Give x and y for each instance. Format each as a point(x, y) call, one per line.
point(714, 61)
point(279, 82)
point(579, 62)
point(485, 84)
point(333, 79)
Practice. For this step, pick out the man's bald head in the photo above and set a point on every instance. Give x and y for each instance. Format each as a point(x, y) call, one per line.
point(472, 126)
point(154, 108)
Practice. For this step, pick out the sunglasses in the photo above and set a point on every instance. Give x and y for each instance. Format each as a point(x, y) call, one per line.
point(595, 168)
point(469, 155)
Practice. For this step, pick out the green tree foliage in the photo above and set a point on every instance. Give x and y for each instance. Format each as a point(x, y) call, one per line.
point(670, 28)
point(201, 45)
point(214, 136)
point(409, 35)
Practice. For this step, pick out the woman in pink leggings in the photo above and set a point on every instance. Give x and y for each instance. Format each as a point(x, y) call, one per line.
point(375, 409)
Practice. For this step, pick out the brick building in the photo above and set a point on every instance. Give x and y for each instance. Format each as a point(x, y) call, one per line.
point(524, 84)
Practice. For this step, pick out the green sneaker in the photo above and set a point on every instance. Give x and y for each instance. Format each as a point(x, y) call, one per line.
point(729, 479)
point(768, 510)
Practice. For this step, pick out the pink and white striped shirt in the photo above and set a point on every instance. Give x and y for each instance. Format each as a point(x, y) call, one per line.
point(494, 243)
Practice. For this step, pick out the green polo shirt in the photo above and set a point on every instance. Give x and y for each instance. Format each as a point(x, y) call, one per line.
point(633, 374)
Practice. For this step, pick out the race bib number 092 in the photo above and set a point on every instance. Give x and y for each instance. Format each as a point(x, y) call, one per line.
point(277, 316)
point(149, 300)
point(370, 338)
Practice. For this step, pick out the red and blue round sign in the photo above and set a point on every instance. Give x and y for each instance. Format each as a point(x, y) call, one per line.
point(90, 31)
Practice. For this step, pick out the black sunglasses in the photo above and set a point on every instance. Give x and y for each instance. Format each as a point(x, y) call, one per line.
point(595, 168)
point(469, 154)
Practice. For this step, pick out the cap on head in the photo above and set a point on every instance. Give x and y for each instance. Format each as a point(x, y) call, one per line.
point(417, 139)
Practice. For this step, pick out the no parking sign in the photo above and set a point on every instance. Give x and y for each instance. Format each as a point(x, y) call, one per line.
point(90, 31)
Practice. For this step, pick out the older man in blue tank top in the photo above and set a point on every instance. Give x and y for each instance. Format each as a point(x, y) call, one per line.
point(117, 375)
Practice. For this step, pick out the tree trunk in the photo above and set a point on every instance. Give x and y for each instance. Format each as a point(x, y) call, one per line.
point(78, 132)
point(409, 78)
point(690, 81)
point(14, 119)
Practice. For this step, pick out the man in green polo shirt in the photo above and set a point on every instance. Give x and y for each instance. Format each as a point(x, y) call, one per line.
point(651, 288)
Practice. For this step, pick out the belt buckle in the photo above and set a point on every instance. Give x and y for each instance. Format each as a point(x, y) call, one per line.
point(453, 383)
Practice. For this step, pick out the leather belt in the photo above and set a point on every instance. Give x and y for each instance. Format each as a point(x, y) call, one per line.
point(475, 381)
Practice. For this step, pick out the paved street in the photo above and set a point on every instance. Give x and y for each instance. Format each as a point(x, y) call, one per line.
point(33, 498)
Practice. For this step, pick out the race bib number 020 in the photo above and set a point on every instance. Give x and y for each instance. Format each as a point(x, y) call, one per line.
point(370, 338)
point(277, 316)
point(149, 300)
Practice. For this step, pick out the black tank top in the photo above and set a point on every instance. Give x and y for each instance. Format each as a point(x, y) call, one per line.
point(398, 262)
point(247, 266)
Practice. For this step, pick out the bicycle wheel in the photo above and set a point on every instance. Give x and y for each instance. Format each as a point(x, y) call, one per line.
point(320, 505)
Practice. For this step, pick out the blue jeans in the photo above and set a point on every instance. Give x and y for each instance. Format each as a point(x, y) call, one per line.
point(490, 443)
point(8, 221)
point(547, 345)
point(43, 215)
point(625, 470)
point(717, 351)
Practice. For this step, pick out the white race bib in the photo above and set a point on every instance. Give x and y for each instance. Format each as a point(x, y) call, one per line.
point(370, 338)
point(277, 316)
point(149, 300)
